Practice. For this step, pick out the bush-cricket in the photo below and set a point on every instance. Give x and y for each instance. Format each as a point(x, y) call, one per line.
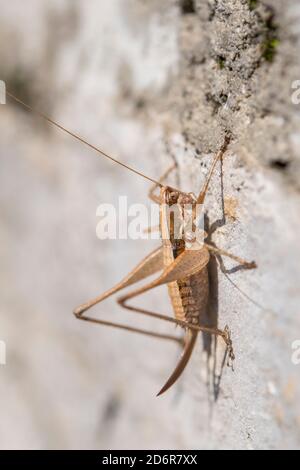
point(181, 261)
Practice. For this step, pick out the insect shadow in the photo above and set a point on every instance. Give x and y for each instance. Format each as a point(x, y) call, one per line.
point(211, 321)
point(212, 316)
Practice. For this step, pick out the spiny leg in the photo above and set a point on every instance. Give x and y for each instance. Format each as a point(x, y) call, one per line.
point(185, 265)
point(189, 339)
point(129, 328)
point(148, 266)
point(247, 265)
point(203, 329)
point(189, 342)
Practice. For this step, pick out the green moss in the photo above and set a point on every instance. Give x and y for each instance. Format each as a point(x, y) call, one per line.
point(221, 62)
point(252, 4)
point(270, 48)
point(271, 40)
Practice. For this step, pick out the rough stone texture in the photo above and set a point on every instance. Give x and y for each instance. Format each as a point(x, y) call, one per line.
point(150, 82)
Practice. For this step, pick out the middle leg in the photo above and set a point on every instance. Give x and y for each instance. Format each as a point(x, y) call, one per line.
point(241, 261)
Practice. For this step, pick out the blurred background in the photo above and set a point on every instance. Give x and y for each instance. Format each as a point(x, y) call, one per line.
point(68, 384)
point(102, 68)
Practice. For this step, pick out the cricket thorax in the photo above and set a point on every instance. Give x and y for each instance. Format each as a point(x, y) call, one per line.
point(189, 296)
point(177, 222)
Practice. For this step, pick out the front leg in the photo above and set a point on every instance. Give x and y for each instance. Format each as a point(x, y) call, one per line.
point(151, 193)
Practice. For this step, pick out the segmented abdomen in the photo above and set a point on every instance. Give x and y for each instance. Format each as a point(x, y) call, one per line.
point(189, 297)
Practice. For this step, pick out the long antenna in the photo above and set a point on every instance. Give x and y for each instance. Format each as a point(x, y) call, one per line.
point(59, 126)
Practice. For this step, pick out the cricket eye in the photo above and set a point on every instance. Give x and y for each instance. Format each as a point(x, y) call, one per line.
point(173, 197)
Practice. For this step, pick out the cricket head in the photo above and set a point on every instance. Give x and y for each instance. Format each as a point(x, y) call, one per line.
point(182, 218)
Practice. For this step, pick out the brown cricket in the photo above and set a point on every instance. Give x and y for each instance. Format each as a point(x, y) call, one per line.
point(183, 270)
